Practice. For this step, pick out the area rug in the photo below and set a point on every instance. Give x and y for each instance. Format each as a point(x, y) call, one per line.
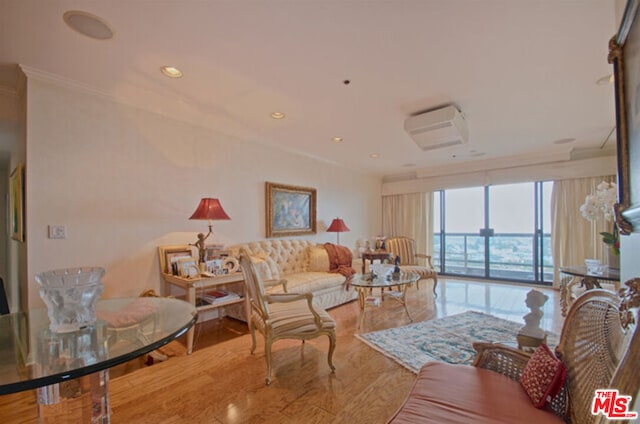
point(447, 339)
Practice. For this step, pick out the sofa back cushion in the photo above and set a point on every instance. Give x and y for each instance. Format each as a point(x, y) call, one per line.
point(290, 256)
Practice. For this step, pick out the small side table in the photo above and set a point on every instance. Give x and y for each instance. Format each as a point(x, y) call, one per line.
point(381, 255)
point(528, 343)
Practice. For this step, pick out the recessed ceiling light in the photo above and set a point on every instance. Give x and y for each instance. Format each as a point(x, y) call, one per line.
point(277, 115)
point(477, 154)
point(336, 139)
point(374, 155)
point(171, 72)
point(87, 24)
point(607, 79)
point(564, 141)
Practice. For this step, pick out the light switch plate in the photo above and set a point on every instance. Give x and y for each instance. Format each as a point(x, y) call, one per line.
point(57, 231)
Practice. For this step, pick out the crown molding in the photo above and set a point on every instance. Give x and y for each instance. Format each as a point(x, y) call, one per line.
point(58, 80)
point(504, 162)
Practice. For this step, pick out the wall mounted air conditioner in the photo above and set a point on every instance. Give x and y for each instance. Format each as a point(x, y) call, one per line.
point(438, 128)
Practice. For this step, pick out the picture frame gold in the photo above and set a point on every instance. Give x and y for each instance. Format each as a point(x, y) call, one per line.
point(624, 55)
point(16, 203)
point(290, 210)
point(167, 253)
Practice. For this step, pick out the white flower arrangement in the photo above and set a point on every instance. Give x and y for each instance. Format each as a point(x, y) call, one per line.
point(601, 202)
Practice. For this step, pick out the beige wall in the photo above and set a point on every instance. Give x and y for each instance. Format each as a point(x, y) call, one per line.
point(124, 181)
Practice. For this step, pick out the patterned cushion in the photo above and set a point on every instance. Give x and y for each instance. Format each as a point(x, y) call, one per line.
point(543, 376)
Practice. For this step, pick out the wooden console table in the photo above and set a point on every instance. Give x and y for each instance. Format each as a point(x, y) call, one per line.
point(381, 255)
point(199, 285)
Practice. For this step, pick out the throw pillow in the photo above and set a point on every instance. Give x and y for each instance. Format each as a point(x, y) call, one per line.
point(543, 376)
point(318, 259)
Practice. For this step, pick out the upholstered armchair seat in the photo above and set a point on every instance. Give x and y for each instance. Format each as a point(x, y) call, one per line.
point(287, 318)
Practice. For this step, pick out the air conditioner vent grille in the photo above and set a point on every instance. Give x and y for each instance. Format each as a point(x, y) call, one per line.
point(438, 128)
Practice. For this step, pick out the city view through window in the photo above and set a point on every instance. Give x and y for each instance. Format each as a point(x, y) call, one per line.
point(499, 232)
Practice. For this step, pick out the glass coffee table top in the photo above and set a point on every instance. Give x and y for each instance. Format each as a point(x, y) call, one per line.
point(366, 281)
point(397, 286)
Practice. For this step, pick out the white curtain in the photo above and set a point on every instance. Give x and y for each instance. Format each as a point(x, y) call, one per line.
point(573, 237)
point(409, 215)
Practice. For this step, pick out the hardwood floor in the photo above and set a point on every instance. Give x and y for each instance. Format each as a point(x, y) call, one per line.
point(221, 382)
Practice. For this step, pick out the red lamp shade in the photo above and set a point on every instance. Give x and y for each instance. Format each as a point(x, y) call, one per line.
point(209, 209)
point(337, 226)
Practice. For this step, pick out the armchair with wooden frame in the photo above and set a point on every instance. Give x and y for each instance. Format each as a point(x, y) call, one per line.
point(283, 315)
point(599, 346)
point(405, 247)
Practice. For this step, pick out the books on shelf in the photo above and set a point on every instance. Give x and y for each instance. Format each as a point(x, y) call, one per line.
point(217, 296)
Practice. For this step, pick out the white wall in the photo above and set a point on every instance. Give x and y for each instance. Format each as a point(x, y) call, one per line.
point(124, 181)
point(629, 253)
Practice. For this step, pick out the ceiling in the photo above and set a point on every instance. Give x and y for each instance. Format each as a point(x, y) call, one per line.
point(523, 72)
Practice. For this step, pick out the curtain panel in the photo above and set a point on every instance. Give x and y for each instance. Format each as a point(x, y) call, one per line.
point(409, 215)
point(573, 237)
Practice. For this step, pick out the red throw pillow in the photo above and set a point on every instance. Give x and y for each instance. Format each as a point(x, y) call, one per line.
point(543, 376)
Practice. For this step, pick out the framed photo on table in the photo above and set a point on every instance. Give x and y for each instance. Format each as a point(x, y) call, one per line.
point(188, 267)
point(170, 255)
point(290, 210)
point(624, 54)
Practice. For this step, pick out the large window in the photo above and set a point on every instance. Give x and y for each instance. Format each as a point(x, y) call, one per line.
point(498, 232)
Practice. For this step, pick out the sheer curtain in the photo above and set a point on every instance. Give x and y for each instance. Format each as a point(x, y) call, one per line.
point(409, 215)
point(574, 238)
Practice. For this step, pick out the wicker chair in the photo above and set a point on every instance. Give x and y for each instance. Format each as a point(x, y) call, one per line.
point(405, 247)
point(599, 349)
point(284, 315)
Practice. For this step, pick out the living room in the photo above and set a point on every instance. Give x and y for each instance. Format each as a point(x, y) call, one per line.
point(122, 167)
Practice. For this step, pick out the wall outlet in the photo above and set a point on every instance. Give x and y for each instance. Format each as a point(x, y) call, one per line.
point(57, 231)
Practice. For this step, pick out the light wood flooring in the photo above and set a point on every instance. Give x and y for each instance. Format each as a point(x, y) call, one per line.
point(221, 382)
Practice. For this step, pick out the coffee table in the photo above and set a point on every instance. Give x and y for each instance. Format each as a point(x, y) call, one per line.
point(365, 284)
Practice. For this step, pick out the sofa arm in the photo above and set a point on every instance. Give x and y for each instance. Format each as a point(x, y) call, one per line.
point(500, 358)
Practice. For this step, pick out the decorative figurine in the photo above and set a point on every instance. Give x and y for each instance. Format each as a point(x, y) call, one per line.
point(200, 244)
point(396, 269)
point(534, 301)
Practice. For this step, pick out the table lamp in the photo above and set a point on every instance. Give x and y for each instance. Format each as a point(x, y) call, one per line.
point(209, 209)
point(337, 226)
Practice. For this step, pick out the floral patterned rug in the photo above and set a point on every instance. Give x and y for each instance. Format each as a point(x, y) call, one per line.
point(447, 339)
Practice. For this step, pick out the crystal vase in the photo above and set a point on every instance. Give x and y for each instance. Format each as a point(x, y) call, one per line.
point(71, 296)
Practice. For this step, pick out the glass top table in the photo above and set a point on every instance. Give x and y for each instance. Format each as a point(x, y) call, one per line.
point(32, 356)
point(364, 283)
point(571, 276)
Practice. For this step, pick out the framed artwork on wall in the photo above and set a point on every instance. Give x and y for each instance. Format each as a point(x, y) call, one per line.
point(290, 210)
point(624, 54)
point(16, 203)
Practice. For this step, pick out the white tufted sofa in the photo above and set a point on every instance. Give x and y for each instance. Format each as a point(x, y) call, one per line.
point(305, 266)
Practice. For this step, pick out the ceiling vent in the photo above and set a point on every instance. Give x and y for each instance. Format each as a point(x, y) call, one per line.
point(438, 128)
